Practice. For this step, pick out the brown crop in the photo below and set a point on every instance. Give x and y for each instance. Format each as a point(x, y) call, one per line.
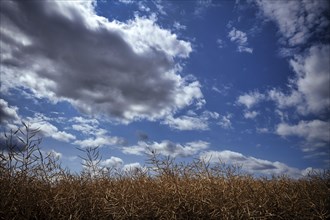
point(35, 186)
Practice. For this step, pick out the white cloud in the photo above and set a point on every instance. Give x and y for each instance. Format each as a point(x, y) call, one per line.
point(262, 130)
point(240, 38)
point(237, 36)
point(133, 77)
point(225, 121)
point(187, 123)
point(297, 21)
point(179, 26)
point(250, 99)
point(285, 100)
point(201, 6)
point(141, 148)
point(131, 167)
point(47, 129)
point(38, 121)
point(84, 128)
point(313, 77)
point(315, 132)
point(311, 170)
point(191, 122)
point(100, 141)
point(167, 148)
point(160, 7)
point(220, 43)
point(82, 120)
point(250, 164)
point(143, 7)
point(93, 134)
point(55, 154)
point(7, 113)
point(310, 89)
point(214, 88)
point(245, 49)
point(113, 162)
point(59, 135)
point(126, 1)
point(250, 114)
point(222, 89)
point(87, 126)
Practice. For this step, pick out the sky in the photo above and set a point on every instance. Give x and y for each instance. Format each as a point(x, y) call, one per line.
point(242, 82)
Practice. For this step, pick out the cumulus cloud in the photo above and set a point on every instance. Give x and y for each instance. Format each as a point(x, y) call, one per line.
point(95, 136)
point(167, 148)
point(7, 113)
point(191, 122)
point(55, 154)
point(47, 129)
point(308, 93)
point(250, 99)
point(237, 36)
point(304, 28)
point(38, 121)
point(187, 123)
point(113, 162)
point(310, 89)
point(315, 132)
point(86, 126)
point(250, 114)
point(118, 163)
point(298, 21)
point(240, 38)
point(131, 167)
point(285, 100)
point(225, 121)
point(100, 141)
point(313, 78)
point(244, 49)
point(250, 164)
point(63, 51)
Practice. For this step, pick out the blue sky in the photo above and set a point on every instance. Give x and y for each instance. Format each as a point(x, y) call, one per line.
point(246, 82)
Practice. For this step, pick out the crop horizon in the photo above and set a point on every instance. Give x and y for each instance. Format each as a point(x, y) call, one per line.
point(36, 186)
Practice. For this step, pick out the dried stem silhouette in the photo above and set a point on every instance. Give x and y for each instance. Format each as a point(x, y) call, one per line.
point(34, 185)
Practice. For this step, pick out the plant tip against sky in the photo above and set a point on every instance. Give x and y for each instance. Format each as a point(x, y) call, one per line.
point(244, 82)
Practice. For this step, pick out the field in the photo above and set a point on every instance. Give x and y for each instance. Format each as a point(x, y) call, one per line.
point(35, 186)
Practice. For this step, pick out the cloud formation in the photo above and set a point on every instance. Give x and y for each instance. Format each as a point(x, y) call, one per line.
point(7, 113)
point(310, 89)
point(167, 148)
point(298, 21)
point(250, 114)
point(94, 136)
point(250, 164)
point(112, 162)
point(63, 51)
point(315, 132)
point(308, 94)
point(47, 129)
point(192, 121)
point(131, 167)
point(304, 30)
point(225, 121)
point(250, 99)
point(313, 78)
point(240, 38)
